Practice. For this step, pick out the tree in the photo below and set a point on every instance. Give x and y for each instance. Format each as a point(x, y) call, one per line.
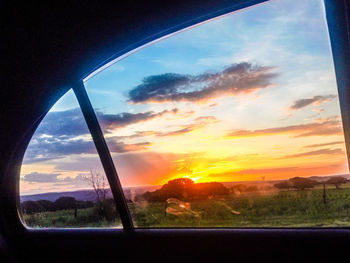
point(301, 183)
point(205, 190)
point(47, 205)
point(104, 208)
point(177, 188)
point(283, 185)
point(337, 181)
point(184, 189)
point(99, 184)
point(31, 207)
point(65, 202)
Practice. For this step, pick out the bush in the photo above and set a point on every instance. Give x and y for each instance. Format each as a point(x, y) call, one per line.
point(301, 183)
point(47, 205)
point(106, 210)
point(66, 202)
point(185, 189)
point(84, 204)
point(337, 181)
point(30, 207)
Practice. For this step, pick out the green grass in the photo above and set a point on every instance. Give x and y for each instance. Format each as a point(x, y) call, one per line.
point(65, 219)
point(278, 209)
point(281, 209)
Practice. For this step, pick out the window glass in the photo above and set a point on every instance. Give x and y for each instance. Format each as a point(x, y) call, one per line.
point(232, 123)
point(62, 182)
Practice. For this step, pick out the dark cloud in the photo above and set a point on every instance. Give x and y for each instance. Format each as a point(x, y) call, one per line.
point(325, 127)
point(71, 123)
point(316, 100)
point(112, 121)
point(317, 152)
point(44, 149)
point(234, 79)
point(323, 144)
point(58, 134)
point(67, 123)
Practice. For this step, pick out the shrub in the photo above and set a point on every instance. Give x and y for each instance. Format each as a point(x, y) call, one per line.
point(184, 189)
point(47, 205)
point(337, 181)
point(30, 207)
point(65, 202)
point(301, 183)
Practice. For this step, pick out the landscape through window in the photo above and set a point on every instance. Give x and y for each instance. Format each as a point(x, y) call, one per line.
point(232, 123)
point(62, 182)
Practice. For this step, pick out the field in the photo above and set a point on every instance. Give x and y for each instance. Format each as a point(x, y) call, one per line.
point(65, 219)
point(293, 208)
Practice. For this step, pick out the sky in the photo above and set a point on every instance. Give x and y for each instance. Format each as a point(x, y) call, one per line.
point(247, 96)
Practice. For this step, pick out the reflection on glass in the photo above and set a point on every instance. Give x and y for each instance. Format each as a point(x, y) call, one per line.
point(62, 182)
point(233, 123)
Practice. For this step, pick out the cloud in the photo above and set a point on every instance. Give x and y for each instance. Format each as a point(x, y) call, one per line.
point(44, 149)
point(71, 123)
point(67, 123)
point(36, 177)
point(330, 126)
point(119, 147)
point(198, 123)
point(64, 133)
point(336, 151)
point(112, 121)
point(315, 100)
point(233, 80)
point(323, 144)
point(53, 179)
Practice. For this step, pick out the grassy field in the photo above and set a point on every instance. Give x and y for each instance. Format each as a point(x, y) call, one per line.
point(65, 219)
point(277, 209)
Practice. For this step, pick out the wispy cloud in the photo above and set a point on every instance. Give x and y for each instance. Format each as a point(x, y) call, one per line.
point(119, 147)
point(197, 124)
point(323, 144)
point(315, 100)
point(321, 128)
point(233, 80)
point(112, 121)
point(336, 151)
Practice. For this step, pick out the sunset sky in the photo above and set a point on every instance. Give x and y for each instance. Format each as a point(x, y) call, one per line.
point(248, 95)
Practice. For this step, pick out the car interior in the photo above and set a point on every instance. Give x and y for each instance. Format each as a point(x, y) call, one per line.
point(177, 72)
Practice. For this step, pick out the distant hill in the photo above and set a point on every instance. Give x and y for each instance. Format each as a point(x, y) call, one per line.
point(88, 195)
point(81, 195)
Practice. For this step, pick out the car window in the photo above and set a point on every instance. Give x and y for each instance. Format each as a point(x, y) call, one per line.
point(231, 123)
point(62, 182)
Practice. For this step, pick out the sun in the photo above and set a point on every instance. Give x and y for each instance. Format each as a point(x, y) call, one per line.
point(193, 178)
